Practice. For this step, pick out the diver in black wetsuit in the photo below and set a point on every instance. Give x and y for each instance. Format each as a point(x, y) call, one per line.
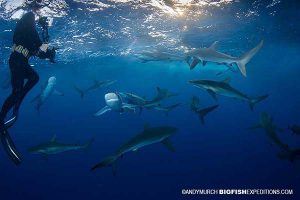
point(26, 43)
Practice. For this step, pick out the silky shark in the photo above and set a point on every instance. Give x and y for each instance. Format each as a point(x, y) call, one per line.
point(147, 137)
point(266, 123)
point(141, 102)
point(96, 86)
point(201, 112)
point(167, 109)
point(46, 92)
point(211, 54)
point(54, 147)
point(161, 95)
point(148, 56)
point(114, 102)
point(223, 88)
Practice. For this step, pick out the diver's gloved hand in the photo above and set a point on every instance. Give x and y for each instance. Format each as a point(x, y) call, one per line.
point(48, 54)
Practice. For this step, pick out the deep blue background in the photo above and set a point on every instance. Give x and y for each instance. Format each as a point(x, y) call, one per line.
point(221, 154)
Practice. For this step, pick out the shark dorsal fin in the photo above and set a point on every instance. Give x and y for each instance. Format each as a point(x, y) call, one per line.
point(53, 139)
point(146, 126)
point(227, 80)
point(214, 45)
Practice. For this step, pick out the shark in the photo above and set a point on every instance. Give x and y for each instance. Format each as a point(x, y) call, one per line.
point(148, 56)
point(225, 89)
point(97, 85)
point(141, 102)
point(48, 89)
point(167, 109)
point(114, 102)
point(55, 147)
point(210, 54)
point(162, 94)
point(266, 123)
point(201, 112)
point(149, 136)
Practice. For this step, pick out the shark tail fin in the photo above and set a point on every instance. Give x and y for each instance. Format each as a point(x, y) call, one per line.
point(254, 101)
point(244, 59)
point(203, 112)
point(81, 92)
point(109, 161)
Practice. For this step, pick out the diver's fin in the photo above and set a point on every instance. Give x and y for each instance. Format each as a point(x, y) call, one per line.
point(213, 94)
point(255, 127)
point(254, 101)
point(102, 111)
point(203, 112)
point(10, 122)
point(9, 147)
point(244, 59)
point(214, 45)
point(168, 144)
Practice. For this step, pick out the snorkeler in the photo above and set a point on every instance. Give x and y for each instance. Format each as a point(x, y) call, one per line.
point(26, 43)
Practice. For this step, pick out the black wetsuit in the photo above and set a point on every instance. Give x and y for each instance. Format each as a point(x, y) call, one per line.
point(27, 36)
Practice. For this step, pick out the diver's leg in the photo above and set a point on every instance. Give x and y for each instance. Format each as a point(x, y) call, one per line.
point(33, 79)
point(17, 81)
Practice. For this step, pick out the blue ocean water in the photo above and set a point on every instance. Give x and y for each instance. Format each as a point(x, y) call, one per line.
point(104, 45)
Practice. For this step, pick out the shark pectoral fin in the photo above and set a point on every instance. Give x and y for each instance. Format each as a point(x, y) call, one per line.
point(102, 111)
point(168, 144)
point(194, 63)
point(255, 127)
point(58, 93)
point(213, 94)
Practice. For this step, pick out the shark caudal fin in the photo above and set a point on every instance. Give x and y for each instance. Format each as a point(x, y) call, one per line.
point(203, 112)
point(244, 59)
point(254, 101)
point(81, 92)
point(107, 162)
